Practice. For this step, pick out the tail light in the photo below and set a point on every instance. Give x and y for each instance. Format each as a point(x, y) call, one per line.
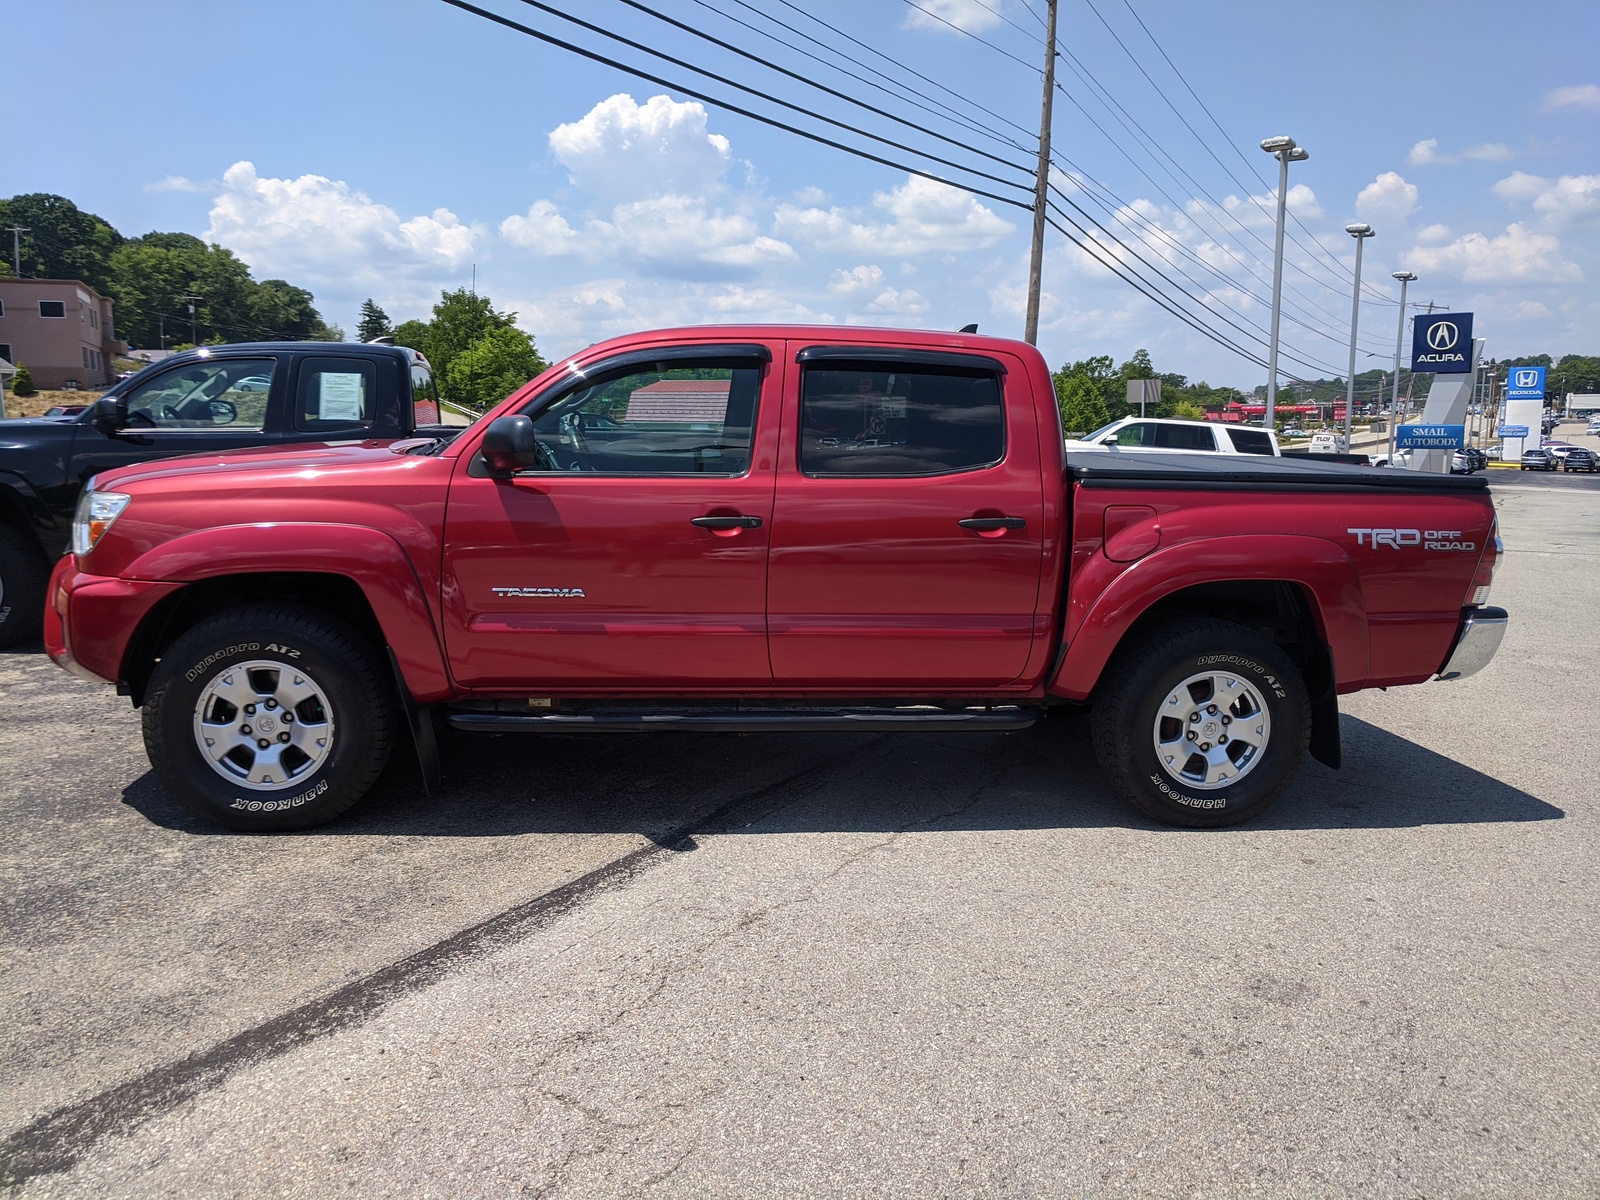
point(1493, 548)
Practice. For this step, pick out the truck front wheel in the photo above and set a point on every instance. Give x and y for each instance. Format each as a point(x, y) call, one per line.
point(268, 717)
point(1203, 723)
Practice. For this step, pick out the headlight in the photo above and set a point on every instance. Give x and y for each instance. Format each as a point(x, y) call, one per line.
point(96, 511)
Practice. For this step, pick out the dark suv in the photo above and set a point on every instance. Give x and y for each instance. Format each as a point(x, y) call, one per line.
point(1581, 458)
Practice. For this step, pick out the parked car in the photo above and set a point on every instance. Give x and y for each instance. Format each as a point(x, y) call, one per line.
point(65, 410)
point(1537, 458)
point(1557, 449)
point(1140, 434)
point(288, 616)
point(1581, 458)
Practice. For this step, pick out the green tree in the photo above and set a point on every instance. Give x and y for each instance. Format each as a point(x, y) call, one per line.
point(1082, 408)
point(493, 367)
point(62, 241)
point(1574, 373)
point(412, 333)
point(459, 319)
point(374, 322)
point(278, 310)
point(22, 382)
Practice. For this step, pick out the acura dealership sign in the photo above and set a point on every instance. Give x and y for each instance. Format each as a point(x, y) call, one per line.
point(1442, 343)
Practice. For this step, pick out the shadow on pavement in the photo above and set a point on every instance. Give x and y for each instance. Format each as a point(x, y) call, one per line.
point(1046, 778)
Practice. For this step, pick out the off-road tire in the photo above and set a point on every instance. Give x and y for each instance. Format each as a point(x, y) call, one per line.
point(349, 676)
point(1144, 677)
point(24, 575)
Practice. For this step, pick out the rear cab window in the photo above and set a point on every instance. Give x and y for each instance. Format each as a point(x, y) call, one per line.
point(864, 416)
point(1251, 441)
point(336, 395)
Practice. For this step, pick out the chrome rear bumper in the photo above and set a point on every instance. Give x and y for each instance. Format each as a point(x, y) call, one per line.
point(1479, 638)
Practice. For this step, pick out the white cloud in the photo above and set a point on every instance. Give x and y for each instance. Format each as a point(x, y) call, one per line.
point(326, 234)
point(676, 230)
point(897, 303)
point(1426, 153)
point(856, 280)
point(926, 218)
point(1260, 212)
point(1434, 235)
point(1519, 185)
point(1570, 202)
point(624, 150)
point(1388, 195)
point(968, 16)
point(177, 183)
point(543, 230)
point(1519, 255)
point(1578, 95)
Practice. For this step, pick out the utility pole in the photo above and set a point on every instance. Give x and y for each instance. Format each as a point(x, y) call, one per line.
point(161, 328)
point(16, 247)
point(194, 339)
point(1041, 183)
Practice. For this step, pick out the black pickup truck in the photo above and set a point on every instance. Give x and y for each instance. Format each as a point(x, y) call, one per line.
point(196, 402)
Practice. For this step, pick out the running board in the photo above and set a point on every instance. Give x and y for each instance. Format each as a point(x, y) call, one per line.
point(772, 720)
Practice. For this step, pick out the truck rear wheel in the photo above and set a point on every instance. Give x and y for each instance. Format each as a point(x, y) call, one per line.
point(268, 717)
point(23, 577)
point(1203, 723)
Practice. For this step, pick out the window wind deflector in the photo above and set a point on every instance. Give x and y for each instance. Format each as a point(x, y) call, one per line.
point(715, 351)
point(901, 354)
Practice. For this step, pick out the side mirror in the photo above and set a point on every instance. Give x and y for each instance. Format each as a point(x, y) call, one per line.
point(109, 414)
point(509, 443)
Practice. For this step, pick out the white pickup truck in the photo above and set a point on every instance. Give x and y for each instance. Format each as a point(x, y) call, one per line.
point(1170, 433)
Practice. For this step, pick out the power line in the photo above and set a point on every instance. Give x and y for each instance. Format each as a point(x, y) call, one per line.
point(873, 50)
point(943, 111)
point(594, 56)
point(1090, 246)
point(928, 12)
point(638, 6)
point(1344, 270)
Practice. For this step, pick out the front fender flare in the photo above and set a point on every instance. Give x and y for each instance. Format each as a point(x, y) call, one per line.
point(373, 560)
point(1321, 567)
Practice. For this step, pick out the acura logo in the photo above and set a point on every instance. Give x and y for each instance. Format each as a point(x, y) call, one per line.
point(1443, 336)
point(1527, 379)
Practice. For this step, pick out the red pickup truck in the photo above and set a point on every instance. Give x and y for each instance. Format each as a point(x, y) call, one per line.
point(762, 528)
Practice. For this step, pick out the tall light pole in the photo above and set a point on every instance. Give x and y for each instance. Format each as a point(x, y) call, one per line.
point(1361, 231)
point(1404, 277)
point(1041, 183)
point(1285, 151)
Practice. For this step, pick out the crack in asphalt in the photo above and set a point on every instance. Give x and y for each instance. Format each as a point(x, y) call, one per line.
point(54, 1142)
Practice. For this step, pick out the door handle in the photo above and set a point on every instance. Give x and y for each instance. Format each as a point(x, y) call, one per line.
point(986, 523)
point(726, 522)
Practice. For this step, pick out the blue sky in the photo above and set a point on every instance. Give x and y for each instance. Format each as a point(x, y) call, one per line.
point(360, 148)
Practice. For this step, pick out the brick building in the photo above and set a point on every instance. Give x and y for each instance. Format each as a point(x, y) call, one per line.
point(60, 328)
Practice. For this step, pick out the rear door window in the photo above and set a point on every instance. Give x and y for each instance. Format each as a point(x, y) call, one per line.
point(872, 418)
point(1184, 437)
point(336, 394)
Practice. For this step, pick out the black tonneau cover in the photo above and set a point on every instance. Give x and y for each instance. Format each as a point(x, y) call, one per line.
point(1250, 472)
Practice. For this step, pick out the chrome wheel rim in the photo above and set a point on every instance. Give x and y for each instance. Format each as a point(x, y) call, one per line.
point(1211, 730)
point(263, 725)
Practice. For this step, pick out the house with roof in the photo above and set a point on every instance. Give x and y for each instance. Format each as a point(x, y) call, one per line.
point(61, 329)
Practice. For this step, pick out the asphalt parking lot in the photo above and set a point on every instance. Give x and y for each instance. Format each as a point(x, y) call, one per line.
point(827, 964)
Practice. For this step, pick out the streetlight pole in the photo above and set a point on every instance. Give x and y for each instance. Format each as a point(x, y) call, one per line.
point(1282, 148)
point(1404, 277)
point(1361, 232)
point(1041, 183)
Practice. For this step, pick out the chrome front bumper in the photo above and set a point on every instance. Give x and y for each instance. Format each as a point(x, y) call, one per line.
point(1476, 643)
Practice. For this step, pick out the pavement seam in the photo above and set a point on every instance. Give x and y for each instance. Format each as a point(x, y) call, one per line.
point(54, 1142)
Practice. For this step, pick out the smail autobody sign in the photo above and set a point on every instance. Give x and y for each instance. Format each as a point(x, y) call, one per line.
point(1442, 343)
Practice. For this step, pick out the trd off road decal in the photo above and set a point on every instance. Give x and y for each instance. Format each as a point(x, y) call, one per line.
point(1428, 539)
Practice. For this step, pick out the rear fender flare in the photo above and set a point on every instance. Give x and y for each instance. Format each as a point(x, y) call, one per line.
point(373, 560)
point(1320, 567)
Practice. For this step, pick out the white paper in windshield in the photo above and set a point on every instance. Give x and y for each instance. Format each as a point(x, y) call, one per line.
point(340, 398)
